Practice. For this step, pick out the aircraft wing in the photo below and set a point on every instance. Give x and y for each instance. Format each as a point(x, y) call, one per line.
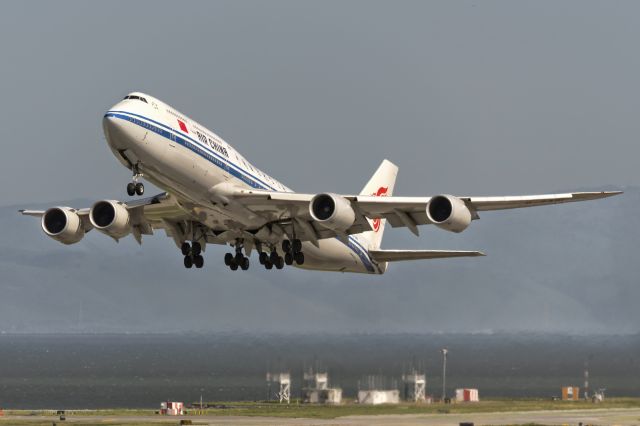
point(160, 211)
point(398, 211)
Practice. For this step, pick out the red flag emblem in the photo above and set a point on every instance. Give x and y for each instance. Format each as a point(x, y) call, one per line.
point(382, 192)
point(183, 126)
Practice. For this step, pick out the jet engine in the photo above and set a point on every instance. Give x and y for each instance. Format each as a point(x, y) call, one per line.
point(332, 211)
point(111, 217)
point(63, 224)
point(449, 213)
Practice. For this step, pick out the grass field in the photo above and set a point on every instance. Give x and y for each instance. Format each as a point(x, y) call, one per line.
point(295, 410)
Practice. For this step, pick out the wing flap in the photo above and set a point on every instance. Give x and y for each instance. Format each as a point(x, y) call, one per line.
point(398, 255)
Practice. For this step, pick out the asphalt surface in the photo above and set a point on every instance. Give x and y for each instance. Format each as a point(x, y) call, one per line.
point(620, 416)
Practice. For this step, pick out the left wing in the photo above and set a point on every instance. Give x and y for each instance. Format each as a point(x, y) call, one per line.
point(161, 211)
point(446, 211)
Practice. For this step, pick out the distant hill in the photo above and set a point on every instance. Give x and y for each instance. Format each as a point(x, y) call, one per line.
point(568, 268)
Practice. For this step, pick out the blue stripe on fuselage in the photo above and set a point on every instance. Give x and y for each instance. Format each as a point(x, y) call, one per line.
point(222, 163)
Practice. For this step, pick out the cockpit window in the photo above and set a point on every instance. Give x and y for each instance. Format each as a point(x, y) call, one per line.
point(140, 98)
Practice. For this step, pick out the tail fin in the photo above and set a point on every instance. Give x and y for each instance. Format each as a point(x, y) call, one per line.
point(381, 185)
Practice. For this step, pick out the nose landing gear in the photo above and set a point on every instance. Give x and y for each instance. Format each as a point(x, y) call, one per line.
point(135, 187)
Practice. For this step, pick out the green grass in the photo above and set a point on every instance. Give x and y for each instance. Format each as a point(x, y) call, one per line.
point(349, 408)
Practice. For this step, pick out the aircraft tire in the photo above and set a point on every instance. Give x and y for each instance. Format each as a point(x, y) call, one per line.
point(263, 257)
point(185, 248)
point(188, 262)
point(299, 258)
point(139, 188)
point(280, 263)
point(239, 257)
point(234, 266)
point(131, 189)
point(198, 261)
point(268, 264)
point(228, 259)
point(286, 246)
point(297, 246)
point(196, 248)
point(288, 259)
point(245, 264)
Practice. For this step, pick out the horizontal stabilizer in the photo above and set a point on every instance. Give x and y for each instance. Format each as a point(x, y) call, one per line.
point(397, 255)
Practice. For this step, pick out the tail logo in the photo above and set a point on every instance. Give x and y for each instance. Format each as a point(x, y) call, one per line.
point(382, 192)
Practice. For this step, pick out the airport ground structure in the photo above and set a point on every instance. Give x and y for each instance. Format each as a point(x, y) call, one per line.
point(505, 411)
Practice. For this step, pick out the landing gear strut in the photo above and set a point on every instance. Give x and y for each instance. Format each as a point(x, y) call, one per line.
point(135, 187)
point(192, 255)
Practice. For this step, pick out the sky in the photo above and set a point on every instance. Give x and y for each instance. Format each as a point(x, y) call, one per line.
point(467, 98)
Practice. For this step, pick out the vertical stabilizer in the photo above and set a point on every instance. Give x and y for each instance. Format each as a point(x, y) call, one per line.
point(380, 185)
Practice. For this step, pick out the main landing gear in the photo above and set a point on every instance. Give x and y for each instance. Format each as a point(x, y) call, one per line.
point(135, 187)
point(271, 260)
point(293, 252)
point(238, 260)
point(192, 255)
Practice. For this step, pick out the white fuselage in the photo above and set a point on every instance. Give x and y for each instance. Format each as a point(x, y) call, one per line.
point(187, 160)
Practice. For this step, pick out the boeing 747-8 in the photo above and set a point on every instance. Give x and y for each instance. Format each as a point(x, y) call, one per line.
point(214, 195)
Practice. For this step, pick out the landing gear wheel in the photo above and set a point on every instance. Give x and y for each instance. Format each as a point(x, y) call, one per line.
point(234, 266)
point(273, 258)
point(188, 262)
point(198, 261)
point(288, 259)
point(139, 188)
point(268, 264)
point(263, 257)
point(297, 246)
point(245, 264)
point(286, 246)
point(239, 257)
point(280, 263)
point(196, 248)
point(299, 258)
point(131, 189)
point(228, 259)
point(185, 248)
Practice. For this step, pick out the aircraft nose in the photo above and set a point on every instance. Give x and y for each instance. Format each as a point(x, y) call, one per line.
point(114, 130)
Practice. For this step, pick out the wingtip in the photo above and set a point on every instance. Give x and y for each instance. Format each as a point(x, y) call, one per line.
point(607, 194)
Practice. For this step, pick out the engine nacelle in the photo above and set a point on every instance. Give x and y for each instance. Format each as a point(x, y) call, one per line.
point(332, 211)
point(111, 217)
point(449, 212)
point(63, 224)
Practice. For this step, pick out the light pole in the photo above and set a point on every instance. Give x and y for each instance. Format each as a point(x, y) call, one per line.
point(444, 373)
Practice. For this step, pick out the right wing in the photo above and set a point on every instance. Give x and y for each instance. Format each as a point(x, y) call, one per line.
point(409, 212)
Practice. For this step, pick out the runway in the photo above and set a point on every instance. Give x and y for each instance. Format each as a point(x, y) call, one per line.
point(614, 416)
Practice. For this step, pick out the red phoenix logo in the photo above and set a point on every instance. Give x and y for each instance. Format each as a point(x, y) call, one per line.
point(382, 192)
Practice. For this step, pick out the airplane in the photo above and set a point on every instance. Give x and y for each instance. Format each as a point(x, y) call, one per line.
point(214, 195)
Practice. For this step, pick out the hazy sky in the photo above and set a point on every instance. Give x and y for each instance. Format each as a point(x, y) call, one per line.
point(466, 97)
point(469, 98)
